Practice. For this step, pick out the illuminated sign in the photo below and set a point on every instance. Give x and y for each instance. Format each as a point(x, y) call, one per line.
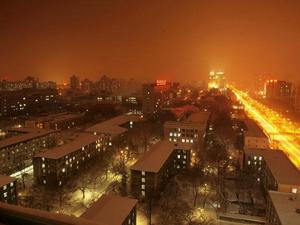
point(161, 82)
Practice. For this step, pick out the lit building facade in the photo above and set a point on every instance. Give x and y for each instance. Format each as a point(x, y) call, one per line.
point(54, 166)
point(16, 152)
point(278, 89)
point(217, 81)
point(190, 130)
point(8, 191)
point(153, 169)
point(157, 95)
point(273, 169)
point(253, 135)
point(57, 121)
point(20, 102)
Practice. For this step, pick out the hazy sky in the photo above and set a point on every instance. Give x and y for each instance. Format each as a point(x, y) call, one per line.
point(148, 39)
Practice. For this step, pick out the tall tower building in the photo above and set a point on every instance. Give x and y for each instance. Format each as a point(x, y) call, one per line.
point(74, 83)
point(217, 81)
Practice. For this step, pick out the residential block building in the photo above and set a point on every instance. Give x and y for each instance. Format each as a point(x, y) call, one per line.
point(16, 151)
point(110, 130)
point(153, 169)
point(54, 166)
point(8, 192)
point(190, 130)
point(55, 121)
point(254, 137)
point(274, 169)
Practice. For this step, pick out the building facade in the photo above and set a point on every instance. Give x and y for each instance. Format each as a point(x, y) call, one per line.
point(59, 121)
point(152, 170)
point(189, 130)
point(278, 89)
point(20, 102)
point(54, 166)
point(8, 191)
point(273, 169)
point(16, 152)
point(254, 137)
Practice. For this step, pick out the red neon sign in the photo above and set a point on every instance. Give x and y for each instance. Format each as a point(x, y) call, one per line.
point(161, 82)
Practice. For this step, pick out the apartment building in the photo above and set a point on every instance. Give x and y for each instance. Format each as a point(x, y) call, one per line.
point(274, 169)
point(16, 151)
point(254, 137)
point(153, 169)
point(58, 121)
point(112, 210)
point(54, 166)
point(111, 129)
point(8, 192)
point(283, 208)
point(190, 130)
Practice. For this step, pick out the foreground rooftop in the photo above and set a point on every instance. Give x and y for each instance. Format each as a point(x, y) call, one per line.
point(285, 205)
point(110, 209)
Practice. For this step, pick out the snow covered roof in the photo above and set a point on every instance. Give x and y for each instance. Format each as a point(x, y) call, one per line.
point(80, 141)
point(5, 180)
point(110, 209)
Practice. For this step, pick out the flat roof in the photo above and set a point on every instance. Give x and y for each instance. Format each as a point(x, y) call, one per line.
point(284, 171)
point(4, 180)
point(154, 159)
point(198, 117)
point(79, 141)
point(110, 209)
point(26, 135)
point(45, 217)
point(286, 207)
point(112, 126)
point(56, 117)
point(253, 130)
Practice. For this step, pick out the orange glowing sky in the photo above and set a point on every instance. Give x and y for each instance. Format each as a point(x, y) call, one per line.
point(175, 39)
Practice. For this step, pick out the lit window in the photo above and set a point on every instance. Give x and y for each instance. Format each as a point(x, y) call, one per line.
point(143, 180)
point(171, 134)
point(63, 170)
point(260, 158)
point(5, 194)
point(178, 156)
point(11, 184)
point(249, 162)
point(44, 181)
point(294, 190)
point(143, 193)
point(143, 173)
point(183, 140)
point(255, 157)
point(143, 186)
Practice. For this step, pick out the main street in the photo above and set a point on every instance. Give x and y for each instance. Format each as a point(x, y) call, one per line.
point(283, 133)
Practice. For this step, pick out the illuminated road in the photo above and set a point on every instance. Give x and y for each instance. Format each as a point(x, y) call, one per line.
point(279, 129)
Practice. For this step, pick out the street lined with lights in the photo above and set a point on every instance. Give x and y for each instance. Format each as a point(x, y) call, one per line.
point(279, 129)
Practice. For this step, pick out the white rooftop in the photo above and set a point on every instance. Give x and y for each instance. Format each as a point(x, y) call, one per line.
point(110, 209)
point(4, 180)
point(154, 159)
point(285, 205)
point(79, 141)
point(26, 134)
point(113, 126)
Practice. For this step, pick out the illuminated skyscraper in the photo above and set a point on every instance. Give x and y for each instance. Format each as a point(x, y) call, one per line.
point(217, 81)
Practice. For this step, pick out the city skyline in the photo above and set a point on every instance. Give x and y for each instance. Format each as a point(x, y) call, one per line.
point(149, 40)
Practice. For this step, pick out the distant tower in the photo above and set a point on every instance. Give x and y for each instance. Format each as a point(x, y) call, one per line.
point(74, 83)
point(217, 81)
point(297, 98)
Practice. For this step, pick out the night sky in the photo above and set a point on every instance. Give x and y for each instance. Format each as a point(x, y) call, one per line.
point(174, 39)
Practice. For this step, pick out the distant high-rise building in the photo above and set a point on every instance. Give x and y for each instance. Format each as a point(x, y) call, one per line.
point(86, 85)
point(74, 83)
point(217, 81)
point(157, 95)
point(278, 89)
point(297, 98)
